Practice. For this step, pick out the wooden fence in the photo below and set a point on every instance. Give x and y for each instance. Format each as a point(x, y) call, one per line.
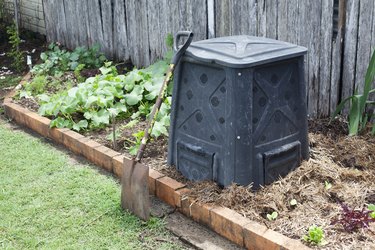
point(30, 13)
point(340, 34)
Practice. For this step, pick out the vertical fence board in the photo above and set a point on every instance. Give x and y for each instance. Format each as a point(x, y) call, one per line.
point(325, 57)
point(94, 28)
point(107, 25)
point(253, 15)
point(313, 27)
point(262, 18)
point(199, 18)
point(120, 36)
point(366, 16)
point(71, 17)
point(49, 18)
point(271, 19)
point(282, 21)
point(222, 17)
point(293, 21)
point(154, 35)
point(349, 60)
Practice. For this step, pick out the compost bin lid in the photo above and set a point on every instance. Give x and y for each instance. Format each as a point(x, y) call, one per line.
point(243, 51)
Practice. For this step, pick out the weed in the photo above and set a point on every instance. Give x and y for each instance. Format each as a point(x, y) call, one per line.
point(315, 235)
point(15, 53)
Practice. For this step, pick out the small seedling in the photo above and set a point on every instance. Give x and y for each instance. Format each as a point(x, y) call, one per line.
point(315, 235)
point(293, 202)
point(272, 216)
point(327, 185)
point(371, 207)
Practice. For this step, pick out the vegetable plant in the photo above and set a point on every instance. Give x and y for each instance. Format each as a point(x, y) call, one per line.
point(327, 185)
point(358, 117)
point(56, 61)
point(272, 216)
point(315, 235)
point(293, 202)
point(354, 219)
point(92, 103)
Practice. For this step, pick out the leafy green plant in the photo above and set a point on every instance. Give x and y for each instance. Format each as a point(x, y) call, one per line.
point(327, 185)
point(15, 53)
point(315, 235)
point(371, 207)
point(358, 117)
point(272, 216)
point(91, 104)
point(138, 139)
point(56, 61)
point(293, 202)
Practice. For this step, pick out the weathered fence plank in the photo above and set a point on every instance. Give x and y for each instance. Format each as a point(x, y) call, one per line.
point(351, 34)
point(283, 21)
point(107, 26)
point(366, 16)
point(120, 35)
point(325, 57)
point(94, 28)
point(271, 19)
point(313, 29)
point(222, 17)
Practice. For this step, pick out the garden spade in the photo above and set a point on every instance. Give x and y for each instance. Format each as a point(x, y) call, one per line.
point(134, 181)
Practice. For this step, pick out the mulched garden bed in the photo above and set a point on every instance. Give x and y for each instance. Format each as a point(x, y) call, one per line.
point(345, 163)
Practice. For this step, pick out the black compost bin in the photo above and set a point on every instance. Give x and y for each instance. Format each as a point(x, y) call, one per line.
point(239, 111)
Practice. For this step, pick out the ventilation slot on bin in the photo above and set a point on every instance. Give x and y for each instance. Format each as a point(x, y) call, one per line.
point(279, 162)
point(194, 163)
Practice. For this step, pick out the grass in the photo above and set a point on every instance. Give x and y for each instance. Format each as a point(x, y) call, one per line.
point(48, 202)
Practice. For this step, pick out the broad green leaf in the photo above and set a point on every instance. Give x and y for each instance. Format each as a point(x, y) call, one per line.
point(159, 129)
point(72, 92)
point(114, 112)
point(120, 107)
point(101, 117)
point(81, 124)
point(135, 96)
point(44, 98)
point(105, 70)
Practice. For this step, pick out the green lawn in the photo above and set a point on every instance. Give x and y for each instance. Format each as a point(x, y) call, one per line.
point(48, 202)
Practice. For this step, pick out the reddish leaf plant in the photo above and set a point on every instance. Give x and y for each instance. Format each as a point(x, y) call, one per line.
point(353, 219)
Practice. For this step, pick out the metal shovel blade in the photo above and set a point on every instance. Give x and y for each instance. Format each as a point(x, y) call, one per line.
point(135, 192)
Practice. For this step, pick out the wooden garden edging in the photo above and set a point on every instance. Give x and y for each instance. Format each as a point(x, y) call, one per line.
point(224, 221)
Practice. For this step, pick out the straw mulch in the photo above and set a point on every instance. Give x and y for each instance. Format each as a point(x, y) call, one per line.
point(348, 163)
